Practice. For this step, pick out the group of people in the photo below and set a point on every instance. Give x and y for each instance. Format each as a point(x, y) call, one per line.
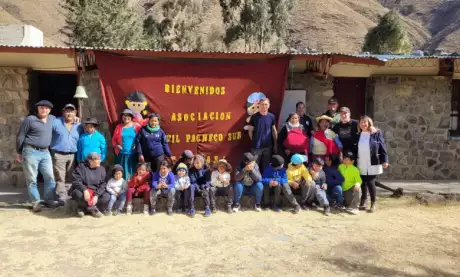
point(332, 164)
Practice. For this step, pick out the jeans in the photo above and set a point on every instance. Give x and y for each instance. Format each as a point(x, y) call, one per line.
point(204, 193)
point(264, 156)
point(34, 161)
point(155, 193)
point(182, 199)
point(256, 190)
point(121, 202)
point(321, 196)
point(63, 166)
point(335, 193)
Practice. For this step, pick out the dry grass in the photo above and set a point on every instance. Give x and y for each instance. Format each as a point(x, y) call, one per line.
point(401, 239)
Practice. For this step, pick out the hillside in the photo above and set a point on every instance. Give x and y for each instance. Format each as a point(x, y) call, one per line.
point(328, 25)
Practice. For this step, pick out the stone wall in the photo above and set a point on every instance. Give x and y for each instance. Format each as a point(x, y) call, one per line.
point(414, 114)
point(14, 95)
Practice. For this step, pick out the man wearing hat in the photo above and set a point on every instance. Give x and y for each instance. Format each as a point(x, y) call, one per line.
point(332, 106)
point(32, 143)
point(347, 131)
point(91, 141)
point(186, 158)
point(66, 133)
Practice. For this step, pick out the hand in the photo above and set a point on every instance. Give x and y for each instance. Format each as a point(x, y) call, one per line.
point(385, 165)
point(356, 188)
point(294, 185)
point(19, 158)
point(173, 159)
point(119, 147)
point(86, 195)
point(272, 183)
point(141, 159)
point(249, 166)
point(275, 149)
point(77, 120)
point(275, 183)
point(95, 198)
point(226, 182)
point(324, 187)
point(373, 130)
point(313, 132)
point(288, 152)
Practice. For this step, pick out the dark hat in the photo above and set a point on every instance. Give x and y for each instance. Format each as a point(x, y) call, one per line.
point(45, 103)
point(248, 157)
point(318, 161)
point(332, 100)
point(128, 112)
point(277, 161)
point(136, 96)
point(349, 155)
point(117, 168)
point(69, 106)
point(91, 120)
point(344, 109)
point(154, 115)
point(187, 154)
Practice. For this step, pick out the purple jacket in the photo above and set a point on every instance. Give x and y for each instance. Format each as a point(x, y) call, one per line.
point(200, 178)
point(169, 179)
point(152, 144)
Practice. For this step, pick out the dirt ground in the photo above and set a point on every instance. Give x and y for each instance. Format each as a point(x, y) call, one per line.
point(401, 239)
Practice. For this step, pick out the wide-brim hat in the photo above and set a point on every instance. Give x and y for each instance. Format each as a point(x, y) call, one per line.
point(325, 117)
point(91, 120)
point(248, 157)
point(44, 103)
point(228, 167)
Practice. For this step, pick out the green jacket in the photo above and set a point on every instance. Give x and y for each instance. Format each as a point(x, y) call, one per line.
point(351, 176)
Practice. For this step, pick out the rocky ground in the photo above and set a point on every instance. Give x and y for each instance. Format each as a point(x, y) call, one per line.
point(401, 239)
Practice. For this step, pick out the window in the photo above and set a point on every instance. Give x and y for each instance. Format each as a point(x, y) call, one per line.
point(455, 108)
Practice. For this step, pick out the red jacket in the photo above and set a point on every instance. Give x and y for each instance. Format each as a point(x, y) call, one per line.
point(116, 139)
point(134, 183)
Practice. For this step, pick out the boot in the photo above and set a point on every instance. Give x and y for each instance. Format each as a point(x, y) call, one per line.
point(363, 205)
point(373, 208)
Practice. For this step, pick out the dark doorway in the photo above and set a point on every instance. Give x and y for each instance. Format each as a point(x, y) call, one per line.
point(58, 88)
point(351, 93)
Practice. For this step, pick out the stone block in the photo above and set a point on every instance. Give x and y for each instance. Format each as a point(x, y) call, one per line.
point(430, 198)
point(445, 157)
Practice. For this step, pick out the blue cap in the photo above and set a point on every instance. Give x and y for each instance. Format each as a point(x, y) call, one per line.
point(298, 159)
point(45, 103)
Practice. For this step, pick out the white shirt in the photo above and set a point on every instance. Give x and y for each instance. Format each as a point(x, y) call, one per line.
point(364, 157)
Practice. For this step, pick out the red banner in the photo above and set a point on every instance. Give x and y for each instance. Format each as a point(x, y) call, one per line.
point(203, 104)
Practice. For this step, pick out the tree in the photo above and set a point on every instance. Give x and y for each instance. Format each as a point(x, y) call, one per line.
point(255, 21)
point(102, 23)
point(388, 36)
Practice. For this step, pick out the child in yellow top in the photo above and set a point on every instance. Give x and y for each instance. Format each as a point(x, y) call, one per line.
point(299, 177)
point(352, 185)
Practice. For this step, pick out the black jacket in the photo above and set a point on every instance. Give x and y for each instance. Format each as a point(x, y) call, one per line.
point(85, 177)
point(378, 148)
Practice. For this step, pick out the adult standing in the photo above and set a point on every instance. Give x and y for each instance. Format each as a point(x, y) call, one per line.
point(332, 108)
point(293, 138)
point(91, 141)
point(152, 143)
point(304, 119)
point(347, 130)
point(32, 143)
point(263, 134)
point(372, 159)
point(64, 145)
point(123, 142)
point(325, 142)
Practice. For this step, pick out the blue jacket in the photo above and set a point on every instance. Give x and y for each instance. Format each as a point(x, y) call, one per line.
point(278, 175)
point(378, 148)
point(152, 144)
point(169, 179)
point(88, 143)
point(200, 178)
point(333, 176)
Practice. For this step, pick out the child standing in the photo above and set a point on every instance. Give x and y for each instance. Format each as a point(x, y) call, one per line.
point(320, 185)
point(275, 178)
point(116, 187)
point(220, 184)
point(163, 183)
point(200, 181)
point(334, 182)
point(298, 177)
point(139, 185)
point(351, 185)
point(181, 185)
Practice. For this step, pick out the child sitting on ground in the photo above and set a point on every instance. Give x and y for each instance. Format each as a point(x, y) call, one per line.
point(299, 177)
point(116, 187)
point(139, 185)
point(320, 186)
point(351, 185)
point(275, 178)
point(200, 181)
point(181, 185)
point(163, 183)
point(334, 182)
point(220, 185)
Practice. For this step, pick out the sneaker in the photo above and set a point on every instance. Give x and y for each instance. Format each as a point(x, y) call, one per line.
point(373, 208)
point(96, 213)
point(327, 210)
point(207, 212)
point(169, 212)
point(146, 209)
point(61, 203)
point(80, 213)
point(108, 213)
point(296, 209)
point(229, 210)
point(363, 205)
point(51, 204)
point(117, 212)
point(191, 213)
point(37, 207)
point(258, 208)
point(276, 209)
point(353, 211)
point(129, 209)
point(152, 211)
point(236, 208)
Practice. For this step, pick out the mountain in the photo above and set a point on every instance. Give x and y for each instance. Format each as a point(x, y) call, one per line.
point(327, 25)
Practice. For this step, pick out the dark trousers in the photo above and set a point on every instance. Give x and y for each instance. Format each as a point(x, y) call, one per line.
point(227, 192)
point(167, 193)
point(204, 193)
point(276, 197)
point(368, 184)
point(155, 162)
point(264, 156)
point(102, 200)
point(182, 199)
